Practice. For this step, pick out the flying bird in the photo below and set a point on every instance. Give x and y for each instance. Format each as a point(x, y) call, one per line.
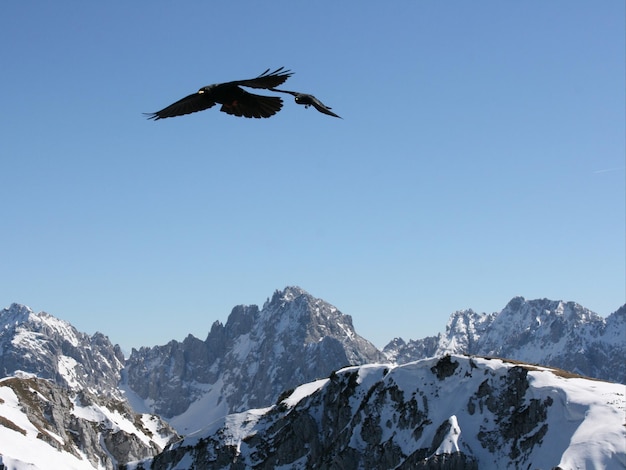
point(309, 100)
point(234, 99)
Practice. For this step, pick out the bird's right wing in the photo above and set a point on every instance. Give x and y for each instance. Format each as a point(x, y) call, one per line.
point(189, 104)
point(267, 79)
point(322, 108)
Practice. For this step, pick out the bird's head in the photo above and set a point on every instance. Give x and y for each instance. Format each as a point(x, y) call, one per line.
point(206, 89)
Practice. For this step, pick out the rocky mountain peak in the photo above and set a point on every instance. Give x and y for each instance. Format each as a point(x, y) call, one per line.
point(50, 348)
point(294, 338)
point(14, 314)
point(241, 320)
point(294, 311)
point(515, 303)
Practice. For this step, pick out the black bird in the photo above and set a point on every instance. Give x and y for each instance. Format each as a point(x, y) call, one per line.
point(309, 100)
point(234, 100)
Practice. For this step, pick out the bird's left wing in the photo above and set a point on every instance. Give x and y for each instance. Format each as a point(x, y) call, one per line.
point(189, 104)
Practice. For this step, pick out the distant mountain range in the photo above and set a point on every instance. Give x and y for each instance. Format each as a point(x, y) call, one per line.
point(249, 362)
point(554, 333)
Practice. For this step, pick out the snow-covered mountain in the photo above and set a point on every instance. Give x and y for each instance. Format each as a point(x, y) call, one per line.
point(452, 412)
point(60, 405)
point(249, 361)
point(45, 426)
point(554, 333)
point(41, 344)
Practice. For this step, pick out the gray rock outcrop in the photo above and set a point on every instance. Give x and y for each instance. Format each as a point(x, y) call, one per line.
point(103, 430)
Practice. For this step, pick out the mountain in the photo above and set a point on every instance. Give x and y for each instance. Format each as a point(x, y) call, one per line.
point(60, 404)
point(44, 425)
point(451, 412)
point(249, 361)
point(67, 395)
point(554, 333)
point(41, 344)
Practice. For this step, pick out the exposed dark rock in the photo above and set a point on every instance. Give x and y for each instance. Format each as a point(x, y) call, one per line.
point(444, 367)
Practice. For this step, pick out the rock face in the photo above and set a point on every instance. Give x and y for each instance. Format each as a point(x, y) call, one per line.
point(452, 412)
point(44, 425)
point(41, 344)
point(559, 334)
point(249, 361)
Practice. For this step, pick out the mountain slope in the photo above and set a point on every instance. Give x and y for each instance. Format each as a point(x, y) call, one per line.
point(43, 425)
point(449, 412)
point(554, 333)
point(249, 361)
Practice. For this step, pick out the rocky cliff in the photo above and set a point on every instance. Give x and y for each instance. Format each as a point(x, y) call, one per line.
point(43, 425)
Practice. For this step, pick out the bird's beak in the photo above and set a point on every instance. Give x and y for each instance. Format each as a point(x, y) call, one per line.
point(200, 91)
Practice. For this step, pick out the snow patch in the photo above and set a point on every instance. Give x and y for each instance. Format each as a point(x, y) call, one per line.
point(304, 391)
point(67, 369)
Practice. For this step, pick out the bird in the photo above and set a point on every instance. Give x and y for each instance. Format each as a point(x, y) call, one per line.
point(309, 100)
point(234, 99)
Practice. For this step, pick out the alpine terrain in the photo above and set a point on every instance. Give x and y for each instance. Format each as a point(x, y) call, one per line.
point(454, 412)
point(292, 385)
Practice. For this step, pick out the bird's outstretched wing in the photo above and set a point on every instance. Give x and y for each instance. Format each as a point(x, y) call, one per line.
point(321, 107)
point(309, 100)
point(198, 101)
point(267, 79)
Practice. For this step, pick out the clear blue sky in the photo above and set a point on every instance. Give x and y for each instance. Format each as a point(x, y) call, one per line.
point(481, 156)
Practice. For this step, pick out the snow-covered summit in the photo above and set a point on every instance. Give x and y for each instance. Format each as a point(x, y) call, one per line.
point(41, 344)
point(31, 326)
point(14, 314)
